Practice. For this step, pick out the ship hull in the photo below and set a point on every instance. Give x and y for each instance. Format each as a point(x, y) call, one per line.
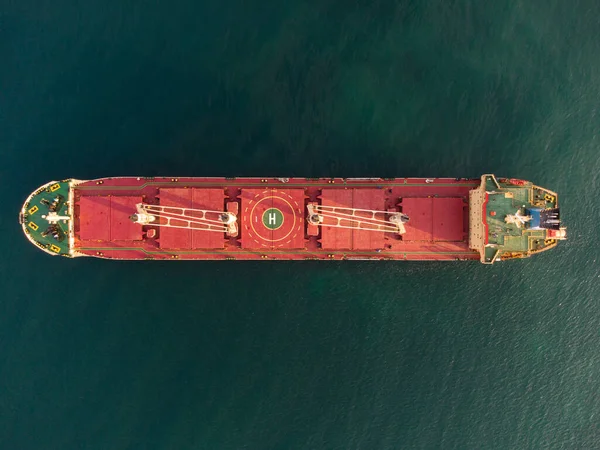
point(181, 218)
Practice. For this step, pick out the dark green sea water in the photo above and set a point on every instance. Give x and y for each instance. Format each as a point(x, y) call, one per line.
point(151, 355)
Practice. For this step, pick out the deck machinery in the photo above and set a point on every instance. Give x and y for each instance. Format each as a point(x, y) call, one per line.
point(487, 218)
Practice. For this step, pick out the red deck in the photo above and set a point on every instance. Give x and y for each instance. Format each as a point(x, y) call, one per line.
point(106, 218)
point(434, 219)
point(186, 239)
point(334, 238)
point(272, 218)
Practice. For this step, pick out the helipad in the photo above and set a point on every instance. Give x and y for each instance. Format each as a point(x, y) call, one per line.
point(272, 218)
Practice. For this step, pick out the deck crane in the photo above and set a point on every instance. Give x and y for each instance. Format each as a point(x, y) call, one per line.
point(356, 219)
point(188, 218)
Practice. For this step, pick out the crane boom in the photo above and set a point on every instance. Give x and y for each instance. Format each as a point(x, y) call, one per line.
point(188, 218)
point(357, 219)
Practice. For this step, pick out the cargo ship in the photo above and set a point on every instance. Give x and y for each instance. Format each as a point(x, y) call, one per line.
point(166, 218)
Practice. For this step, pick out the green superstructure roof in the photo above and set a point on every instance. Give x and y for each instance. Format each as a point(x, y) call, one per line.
point(501, 219)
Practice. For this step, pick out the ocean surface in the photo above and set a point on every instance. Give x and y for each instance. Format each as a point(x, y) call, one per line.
point(285, 355)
